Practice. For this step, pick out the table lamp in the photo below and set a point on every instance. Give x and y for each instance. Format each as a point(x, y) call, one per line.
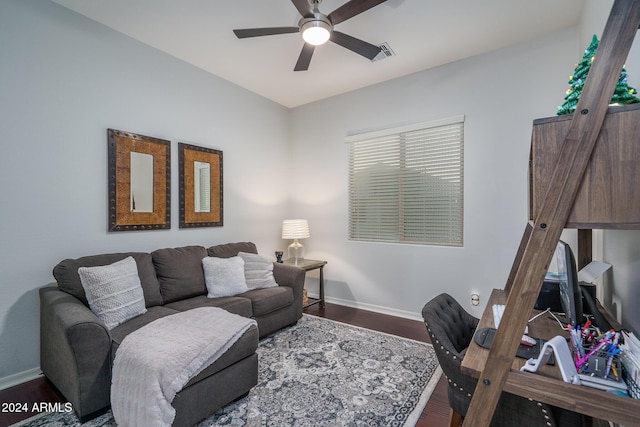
point(295, 229)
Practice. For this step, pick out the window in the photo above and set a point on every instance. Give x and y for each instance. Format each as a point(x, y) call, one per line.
point(406, 184)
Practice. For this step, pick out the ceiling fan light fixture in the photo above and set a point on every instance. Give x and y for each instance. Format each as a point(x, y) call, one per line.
point(316, 28)
point(316, 31)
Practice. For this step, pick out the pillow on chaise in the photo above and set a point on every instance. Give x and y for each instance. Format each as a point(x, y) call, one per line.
point(258, 271)
point(224, 277)
point(114, 291)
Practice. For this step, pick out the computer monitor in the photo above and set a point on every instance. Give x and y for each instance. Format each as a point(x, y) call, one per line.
point(570, 293)
point(590, 306)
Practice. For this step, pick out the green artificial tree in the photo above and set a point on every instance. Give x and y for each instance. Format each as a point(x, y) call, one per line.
point(624, 94)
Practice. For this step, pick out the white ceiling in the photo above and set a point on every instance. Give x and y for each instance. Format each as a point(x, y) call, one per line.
point(422, 33)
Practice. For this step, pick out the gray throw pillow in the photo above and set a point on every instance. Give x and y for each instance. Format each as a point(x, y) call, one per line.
point(258, 271)
point(114, 291)
point(179, 272)
point(224, 277)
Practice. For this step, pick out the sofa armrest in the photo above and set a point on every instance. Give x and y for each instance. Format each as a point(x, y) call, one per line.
point(293, 277)
point(75, 351)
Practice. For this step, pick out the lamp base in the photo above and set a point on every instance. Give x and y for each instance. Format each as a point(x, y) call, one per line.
point(296, 251)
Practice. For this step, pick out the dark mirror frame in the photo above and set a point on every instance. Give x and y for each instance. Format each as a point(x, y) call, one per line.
point(120, 145)
point(187, 155)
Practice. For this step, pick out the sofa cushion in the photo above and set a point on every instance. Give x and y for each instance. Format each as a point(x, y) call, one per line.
point(265, 301)
point(258, 271)
point(66, 274)
point(228, 250)
point(246, 345)
point(113, 291)
point(119, 332)
point(235, 305)
point(224, 277)
point(179, 272)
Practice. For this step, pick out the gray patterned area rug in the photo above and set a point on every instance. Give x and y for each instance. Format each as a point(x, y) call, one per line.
point(323, 373)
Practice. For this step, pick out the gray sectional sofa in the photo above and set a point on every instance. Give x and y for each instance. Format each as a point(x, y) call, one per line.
point(77, 349)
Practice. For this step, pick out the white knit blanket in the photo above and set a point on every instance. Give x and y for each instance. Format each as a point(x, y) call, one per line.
point(155, 362)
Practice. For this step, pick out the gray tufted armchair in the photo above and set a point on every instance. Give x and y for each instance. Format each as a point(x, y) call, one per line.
point(451, 330)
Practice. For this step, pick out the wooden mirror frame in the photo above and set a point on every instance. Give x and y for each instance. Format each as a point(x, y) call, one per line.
point(120, 146)
point(187, 155)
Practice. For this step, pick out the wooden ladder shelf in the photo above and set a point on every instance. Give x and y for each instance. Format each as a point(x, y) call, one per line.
point(542, 234)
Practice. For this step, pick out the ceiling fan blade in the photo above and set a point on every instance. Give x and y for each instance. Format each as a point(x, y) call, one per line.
point(351, 9)
point(305, 57)
point(304, 7)
point(358, 46)
point(270, 31)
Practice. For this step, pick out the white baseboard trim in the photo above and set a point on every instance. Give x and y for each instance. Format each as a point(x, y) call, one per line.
point(375, 308)
point(19, 378)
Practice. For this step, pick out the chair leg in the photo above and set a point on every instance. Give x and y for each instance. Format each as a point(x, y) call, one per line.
point(455, 420)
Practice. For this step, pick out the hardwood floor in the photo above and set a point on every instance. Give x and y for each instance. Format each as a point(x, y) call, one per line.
point(435, 414)
point(29, 393)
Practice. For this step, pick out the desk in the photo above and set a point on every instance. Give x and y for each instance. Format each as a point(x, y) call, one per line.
point(308, 265)
point(546, 385)
point(542, 327)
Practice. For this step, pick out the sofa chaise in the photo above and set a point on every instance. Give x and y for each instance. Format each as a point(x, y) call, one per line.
point(77, 349)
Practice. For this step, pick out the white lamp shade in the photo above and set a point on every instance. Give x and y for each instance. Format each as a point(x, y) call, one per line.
point(295, 229)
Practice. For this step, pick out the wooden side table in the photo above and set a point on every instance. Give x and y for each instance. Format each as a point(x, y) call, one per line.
point(308, 265)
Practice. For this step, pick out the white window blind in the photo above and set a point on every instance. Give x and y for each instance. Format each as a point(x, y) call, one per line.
point(406, 184)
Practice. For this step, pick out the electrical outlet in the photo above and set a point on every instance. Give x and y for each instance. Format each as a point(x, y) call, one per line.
point(475, 299)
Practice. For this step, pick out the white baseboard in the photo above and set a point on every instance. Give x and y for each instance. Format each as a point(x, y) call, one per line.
point(375, 308)
point(19, 378)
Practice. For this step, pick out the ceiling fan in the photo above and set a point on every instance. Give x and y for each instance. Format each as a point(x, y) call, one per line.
point(317, 29)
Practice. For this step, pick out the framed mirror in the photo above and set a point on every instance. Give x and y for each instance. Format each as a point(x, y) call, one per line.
point(200, 186)
point(139, 182)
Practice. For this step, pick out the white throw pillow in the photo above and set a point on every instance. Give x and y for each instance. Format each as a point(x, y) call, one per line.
point(258, 271)
point(224, 277)
point(114, 291)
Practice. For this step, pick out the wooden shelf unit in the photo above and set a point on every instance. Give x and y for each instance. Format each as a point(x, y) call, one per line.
point(570, 188)
point(609, 196)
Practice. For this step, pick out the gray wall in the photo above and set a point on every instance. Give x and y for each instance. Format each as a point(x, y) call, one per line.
point(620, 287)
point(500, 93)
point(64, 80)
